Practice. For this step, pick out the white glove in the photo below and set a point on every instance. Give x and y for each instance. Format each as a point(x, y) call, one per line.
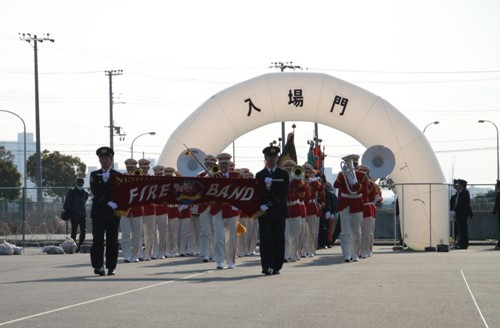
point(183, 207)
point(268, 182)
point(105, 176)
point(112, 204)
point(264, 208)
point(327, 215)
point(234, 208)
point(377, 198)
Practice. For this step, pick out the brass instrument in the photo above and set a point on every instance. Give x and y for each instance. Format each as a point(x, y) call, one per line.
point(298, 172)
point(135, 171)
point(189, 162)
point(380, 160)
point(349, 172)
point(214, 170)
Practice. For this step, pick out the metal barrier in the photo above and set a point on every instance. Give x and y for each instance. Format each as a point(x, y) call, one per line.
point(27, 220)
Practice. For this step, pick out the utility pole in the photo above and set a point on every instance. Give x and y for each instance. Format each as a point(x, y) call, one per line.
point(110, 74)
point(38, 155)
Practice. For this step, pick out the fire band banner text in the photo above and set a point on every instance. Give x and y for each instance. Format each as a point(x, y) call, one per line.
point(135, 190)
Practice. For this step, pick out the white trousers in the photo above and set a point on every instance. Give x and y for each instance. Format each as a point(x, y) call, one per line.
point(131, 237)
point(367, 229)
point(292, 235)
point(225, 239)
point(173, 227)
point(252, 236)
point(206, 234)
point(186, 244)
point(149, 229)
point(162, 222)
point(312, 223)
point(241, 248)
point(350, 234)
point(196, 234)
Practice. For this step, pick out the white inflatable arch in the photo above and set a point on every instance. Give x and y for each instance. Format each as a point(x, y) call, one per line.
point(314, 97)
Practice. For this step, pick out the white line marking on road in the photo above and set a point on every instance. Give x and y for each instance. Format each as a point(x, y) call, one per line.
point(474, 299)
point(98, 299)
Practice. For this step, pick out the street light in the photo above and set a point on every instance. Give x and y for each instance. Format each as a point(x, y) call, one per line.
point(25, 170)
point(498, 160)
point(132, 146)
point(435, 122)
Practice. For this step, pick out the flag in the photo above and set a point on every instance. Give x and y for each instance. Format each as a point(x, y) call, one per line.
point(288, 150)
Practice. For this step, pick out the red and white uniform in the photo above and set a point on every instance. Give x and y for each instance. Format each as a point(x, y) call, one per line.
point(313, 211)
point(296, 196)
point(351, 213)
point(225, 220)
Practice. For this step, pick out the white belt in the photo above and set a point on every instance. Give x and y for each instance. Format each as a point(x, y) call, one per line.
point(367, 204)
point(351, 195)
point(295, 202)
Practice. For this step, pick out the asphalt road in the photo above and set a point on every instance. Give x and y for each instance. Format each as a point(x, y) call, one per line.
point(459, 288)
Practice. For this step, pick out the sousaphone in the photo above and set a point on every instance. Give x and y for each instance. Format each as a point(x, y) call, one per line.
point(188, 162)
point(380, 160)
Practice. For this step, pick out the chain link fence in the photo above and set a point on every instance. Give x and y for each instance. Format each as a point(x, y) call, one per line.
point(36, 217)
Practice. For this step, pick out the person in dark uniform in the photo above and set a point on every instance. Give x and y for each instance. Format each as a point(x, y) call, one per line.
point(273, 203)
point(75, 203)
point(463, 212)
point(104, 220)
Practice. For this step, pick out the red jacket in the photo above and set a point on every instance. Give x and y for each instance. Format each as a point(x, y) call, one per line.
point(346, 199)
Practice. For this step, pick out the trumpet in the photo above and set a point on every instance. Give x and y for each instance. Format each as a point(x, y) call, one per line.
point(214, 170)
point(349, 172)
point(298, 172)
point(135, 171)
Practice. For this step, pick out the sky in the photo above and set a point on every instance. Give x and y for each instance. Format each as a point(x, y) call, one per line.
point(434, 60)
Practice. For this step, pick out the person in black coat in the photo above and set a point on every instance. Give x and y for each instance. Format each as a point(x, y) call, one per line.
point(496, 210)
point(463, 212)
point(273, 203)
point(75, 203)
point(104, 220)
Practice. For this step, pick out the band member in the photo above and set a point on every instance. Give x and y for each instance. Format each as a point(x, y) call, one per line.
point(242, 239)
point(104, 220)
point(149, 219)
point(173, 222)
point(206, 219)
point(225, 220)
point(273, 202)
point(296, 194)
point(252, 226)
point(161, 221)
point(351, 188)
point(131, 225)
point(314, 205)
point(368, 222)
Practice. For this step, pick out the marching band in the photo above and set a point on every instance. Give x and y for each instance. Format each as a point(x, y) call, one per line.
point(220, 232)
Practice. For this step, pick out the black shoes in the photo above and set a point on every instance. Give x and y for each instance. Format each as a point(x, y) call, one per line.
point(268, 271)
point(276, 271)
point(100, 271)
